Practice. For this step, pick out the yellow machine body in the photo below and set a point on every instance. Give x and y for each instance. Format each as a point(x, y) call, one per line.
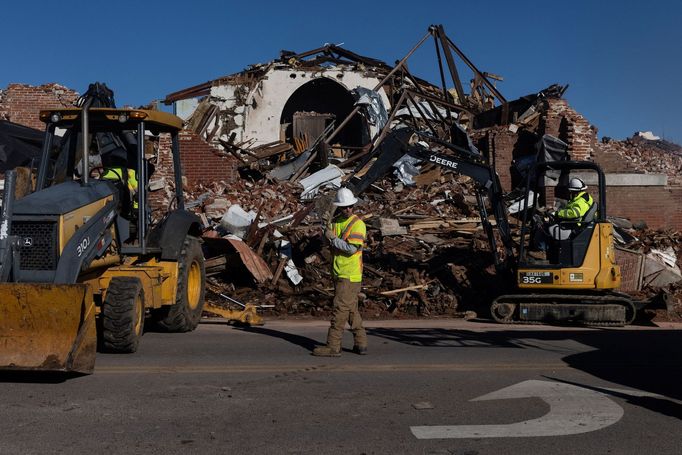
point(48, 312)
point(597, 272)
point(47, 327)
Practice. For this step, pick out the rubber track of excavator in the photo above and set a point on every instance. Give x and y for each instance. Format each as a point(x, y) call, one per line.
point(502, 314)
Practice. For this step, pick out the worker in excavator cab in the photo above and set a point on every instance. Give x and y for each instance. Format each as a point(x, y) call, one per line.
point(346, 234)
point(579, 208)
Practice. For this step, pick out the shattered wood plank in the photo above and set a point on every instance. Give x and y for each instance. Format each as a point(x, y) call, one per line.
point(253, 227)
point(254, 264)
point(280, 268)
point(427, 178)
point(408, 288)
point(272, 151)
point(215, 265)
point(263, 240)
point(422, 225)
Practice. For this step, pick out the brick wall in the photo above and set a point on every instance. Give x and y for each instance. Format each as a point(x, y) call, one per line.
point(204, 163)
point(657, 206)
point(21, 103)
point(562, 121)
point(201, 163)
point(162, 178)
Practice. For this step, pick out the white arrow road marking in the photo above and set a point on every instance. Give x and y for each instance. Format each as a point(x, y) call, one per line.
point(572, 410)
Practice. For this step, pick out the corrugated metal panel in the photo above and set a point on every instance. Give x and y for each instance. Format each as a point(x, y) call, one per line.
point(254, 263)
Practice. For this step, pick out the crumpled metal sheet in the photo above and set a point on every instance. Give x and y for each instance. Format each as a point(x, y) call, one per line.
point(327, 177)
point(406, 169)
point(426, 108)
point(285, 171)
point(375, 110)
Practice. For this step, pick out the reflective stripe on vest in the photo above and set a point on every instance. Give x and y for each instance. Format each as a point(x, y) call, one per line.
point(353, 231)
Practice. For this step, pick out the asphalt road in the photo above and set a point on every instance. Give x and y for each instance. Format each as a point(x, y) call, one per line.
point(224, 389)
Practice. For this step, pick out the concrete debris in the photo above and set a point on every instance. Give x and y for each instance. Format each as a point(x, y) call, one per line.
point(660, 268)
point(236, 221)
point(292, 130)
point(391, 226)
point(648, 135)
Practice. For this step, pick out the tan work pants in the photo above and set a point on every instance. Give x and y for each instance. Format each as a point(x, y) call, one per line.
point(346, 309)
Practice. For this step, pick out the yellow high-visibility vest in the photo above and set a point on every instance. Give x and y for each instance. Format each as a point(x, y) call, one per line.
point(353, 231)
point(576, 208)
point(116, 173)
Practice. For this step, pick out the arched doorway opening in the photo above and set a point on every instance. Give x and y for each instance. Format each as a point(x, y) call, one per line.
point(318, 102)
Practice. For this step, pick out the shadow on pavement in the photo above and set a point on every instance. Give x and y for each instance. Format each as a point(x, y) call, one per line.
point(38, 377)
point(646, 360)
point(304, 342)
point(657, 404)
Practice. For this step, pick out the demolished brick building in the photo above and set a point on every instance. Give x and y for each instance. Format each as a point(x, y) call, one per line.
point(294, 97)
point(270, 113)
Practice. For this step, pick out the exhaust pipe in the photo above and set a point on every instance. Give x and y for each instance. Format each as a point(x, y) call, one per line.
point(85, 131)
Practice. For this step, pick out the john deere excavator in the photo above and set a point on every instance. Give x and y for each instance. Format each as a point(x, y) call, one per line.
point(79, 257)
point(575, 280)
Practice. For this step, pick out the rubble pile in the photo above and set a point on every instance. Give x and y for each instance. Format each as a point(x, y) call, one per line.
point(425, 249)
point(649, 155)
point(426, 253)
point(661, 275)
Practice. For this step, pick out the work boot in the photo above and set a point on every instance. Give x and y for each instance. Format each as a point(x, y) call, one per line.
point(326, 351)
point(360, 350)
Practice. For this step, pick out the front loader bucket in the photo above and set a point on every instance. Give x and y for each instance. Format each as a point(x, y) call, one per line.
point(47, 327)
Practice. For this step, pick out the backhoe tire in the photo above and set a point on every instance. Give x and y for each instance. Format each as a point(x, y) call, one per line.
point(123, 315)
point(185, 314)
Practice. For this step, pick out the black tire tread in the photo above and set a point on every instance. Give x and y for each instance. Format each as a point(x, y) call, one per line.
point(179, 317)
point(118, 315)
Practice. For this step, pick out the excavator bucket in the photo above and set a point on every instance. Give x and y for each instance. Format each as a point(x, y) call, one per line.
point(48, 327)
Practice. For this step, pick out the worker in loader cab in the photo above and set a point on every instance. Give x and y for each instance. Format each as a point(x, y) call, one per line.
point(346, 234)
point(122, 174)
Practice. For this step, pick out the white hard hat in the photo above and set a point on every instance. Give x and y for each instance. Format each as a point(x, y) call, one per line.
point(576, 185)
point(344, 198)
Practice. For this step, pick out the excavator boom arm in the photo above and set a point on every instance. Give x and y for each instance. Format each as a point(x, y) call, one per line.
point(459, 160)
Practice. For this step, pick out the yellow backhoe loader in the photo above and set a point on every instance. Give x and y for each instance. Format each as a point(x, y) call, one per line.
point(80, 259)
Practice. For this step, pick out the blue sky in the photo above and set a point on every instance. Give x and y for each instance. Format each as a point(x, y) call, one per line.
point(622, 59)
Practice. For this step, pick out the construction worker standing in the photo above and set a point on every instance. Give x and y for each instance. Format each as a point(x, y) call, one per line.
point(346, 234)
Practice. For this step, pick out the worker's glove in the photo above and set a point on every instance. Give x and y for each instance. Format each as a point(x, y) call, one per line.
point(548, 217)
point(329, 232)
